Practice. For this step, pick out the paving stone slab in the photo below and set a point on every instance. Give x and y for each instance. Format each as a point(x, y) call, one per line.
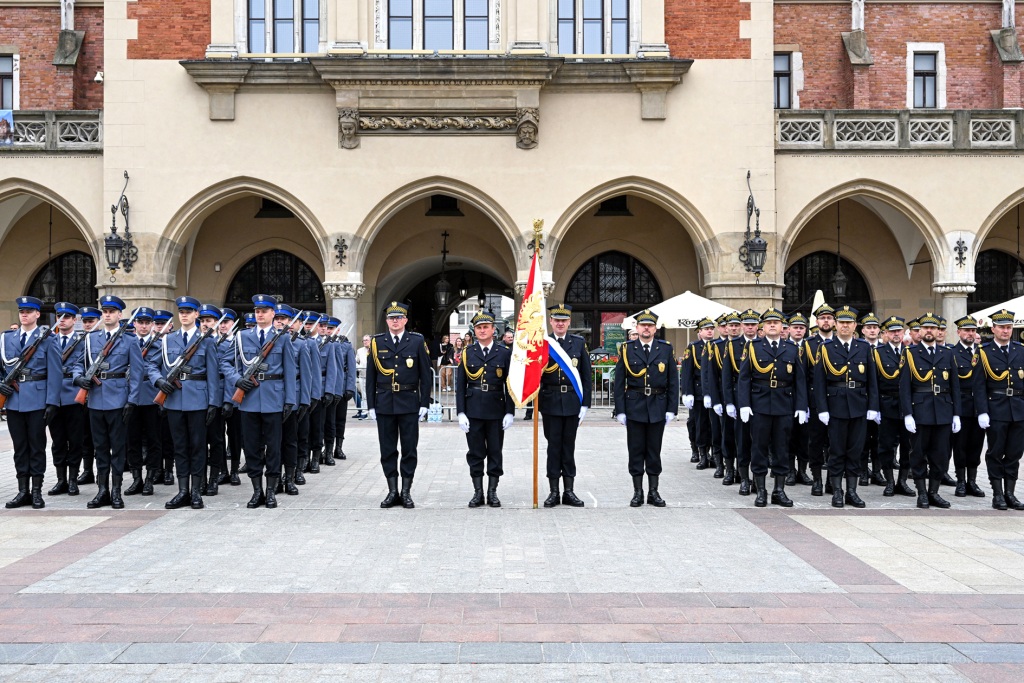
point(501, 653)
point(416, 653)
point(752, 653)
point(668, 653)
point(605, 653)
point(17, 653)
point(327, 653)
point(992, 653)
point(163, 653)
point(78, 653)
point(919, 653)
point(248, 653)
point(836, 653)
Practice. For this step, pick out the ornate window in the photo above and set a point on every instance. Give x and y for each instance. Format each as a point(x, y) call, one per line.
point(280, 274)
point(282, 26)
point(606, 289)
point(437, 24)
point(594, 27)
point(815, 271)
point(992, 271)
point(75, 274)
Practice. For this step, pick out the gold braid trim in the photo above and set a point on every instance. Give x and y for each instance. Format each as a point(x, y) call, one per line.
point(625, 361)
point(551, 368)
point(990, 372)
point(914, 372)
point(732, 357)
point(718, 357)
point(828, 364)
point(376, 361)
point(753, 361)
point(465, 368)
point(696, 363)
point(810, 356)
point(881, 369)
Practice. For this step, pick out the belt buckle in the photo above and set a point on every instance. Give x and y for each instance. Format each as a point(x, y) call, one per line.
point(483, 387)
point(773, 384)
point(22, 376)
point(1009, 391)
point(851, 384)
point(103, 375)
point(395, 388)
point(564, 388)
point(647, 391)
point(936, 390)
point(259, 376)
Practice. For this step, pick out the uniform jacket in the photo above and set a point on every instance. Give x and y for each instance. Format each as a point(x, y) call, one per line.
point(760, 369)
point(225, 353)
point(991, 384)
point(917, 379)
point(555, 400)
point(834, 368)
point(37, 394)
point(407, 364)
point(147, 392)
point(691, 382)
point(125, 356)
point(328, 366)
point(348, 365)
point(711, 372)
point(316, 384)
point(480, 384)
point(636, 372)
point(269, 396)
point(304, 380)
point(965, 363)
point(69, 391)
point(888, 365)
point(339, 362)
point(194, 394)
point(731, 368)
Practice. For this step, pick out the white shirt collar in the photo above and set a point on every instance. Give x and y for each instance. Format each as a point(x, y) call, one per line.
point(488, 347)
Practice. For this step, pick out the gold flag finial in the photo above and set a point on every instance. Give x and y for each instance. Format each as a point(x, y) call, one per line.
point(538, 227)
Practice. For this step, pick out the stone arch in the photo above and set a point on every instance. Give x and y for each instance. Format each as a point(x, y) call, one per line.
point(231, 267)
point(989, 224)
point(12, 187)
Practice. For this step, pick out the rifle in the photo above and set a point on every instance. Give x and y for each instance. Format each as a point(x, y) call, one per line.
point(94, 369)
point(227, 334)
point(177, 368)
point(328, 338)
point(156, 337)
point(254, 367)
point(71, 349)
point(11, 380)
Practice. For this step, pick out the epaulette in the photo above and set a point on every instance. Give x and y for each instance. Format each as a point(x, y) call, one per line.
point(987, 344)
point(379, 334)
point(578, 336)
point(415, 334)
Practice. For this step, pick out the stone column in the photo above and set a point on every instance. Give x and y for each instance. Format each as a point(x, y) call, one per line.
point(343, 297)
point(954, 299)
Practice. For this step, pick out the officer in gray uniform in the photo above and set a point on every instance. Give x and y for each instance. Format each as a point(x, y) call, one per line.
point(284, 314)
point(347, 357)
point(67, 427)
point(216, 444)
point(90, 318)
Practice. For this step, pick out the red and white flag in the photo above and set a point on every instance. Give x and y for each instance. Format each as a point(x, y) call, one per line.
point(529, 349)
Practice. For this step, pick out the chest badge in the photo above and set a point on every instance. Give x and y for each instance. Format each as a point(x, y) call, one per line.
point(498, 372)
point(408, 362)
point(945, 374)
point(1020, 373)
point(661, 367)
point(860, 368)
point(575, 362)
point(789, 368)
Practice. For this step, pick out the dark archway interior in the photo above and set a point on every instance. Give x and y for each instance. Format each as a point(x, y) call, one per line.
point(423, 314)
point(816, 271)
point(278, 274)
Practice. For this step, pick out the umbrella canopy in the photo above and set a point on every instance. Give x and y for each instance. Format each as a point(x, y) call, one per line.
point(984, 316)
point(683, 311)
point(819, 299)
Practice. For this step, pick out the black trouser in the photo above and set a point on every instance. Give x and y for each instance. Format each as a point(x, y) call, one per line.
point(702, 423)
point(716, 433)
point(66, 434)
point(797, 447)
point(88, 448)
point(742, 444)
point(845, 444)
point(691, 429)
point(316, 427)
point(290, 441)
point(892, 434)
point(110, 439)
point(484, 440)
point(28, 432)
point(302, 429)
point(216, 444)
point(188, 432)
point(235, 434)
point(931, 449)
point(167, 440)
point(560, 432)
point(341, 415)
point(817, 441)
point(769, 431)
point(728, 436)
point(389, 429)
point(967, 444)
point(330, 423)
point(643, 442)
point(1005, 444)
point(870, 450)
point(144, 428)
point(261, 439)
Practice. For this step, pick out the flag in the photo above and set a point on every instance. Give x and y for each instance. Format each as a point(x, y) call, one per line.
point(529, 348)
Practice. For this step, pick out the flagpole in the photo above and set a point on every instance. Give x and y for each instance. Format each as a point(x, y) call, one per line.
point(536, 411)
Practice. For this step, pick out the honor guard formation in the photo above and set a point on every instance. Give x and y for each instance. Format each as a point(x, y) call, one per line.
point(181, 397)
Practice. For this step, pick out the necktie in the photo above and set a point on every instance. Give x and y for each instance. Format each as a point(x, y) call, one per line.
point(261, 338)
point(561, 341)
point(108, 336)
point(775, 347)
point(647, 349)
point(846, 345)
point(396, 340)
point(23, 340)
point(485, 349)
point(63, 342)
point(931, 351)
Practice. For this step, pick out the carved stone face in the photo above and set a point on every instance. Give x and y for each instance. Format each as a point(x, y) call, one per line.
point(527, 133)
point(348, 129)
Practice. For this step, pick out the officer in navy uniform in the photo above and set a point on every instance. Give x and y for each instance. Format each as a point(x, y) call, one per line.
point(846, 392)
point(711, 381)
point(930, 400)
point(712, 351)
point(316, 383)
point(999, 402)
point(817, 433)
point(329, 326)
point(34, 403)
point(561, 410)
point(328, 360)
point(772, 391)
point(216, 460)
point(192, 407)
point(892, 433)
point(798, 437)
point(269, 399)
point(67, 427)
point(398, 385)
point(870, 328)
point(698, 401)
point(165, 473)
point(749, 322)
point(114, 393)
point(347, 358)
point(144, 425)
point(90, 318)
point(283, 314)
point(967, 443)
point(645, 390)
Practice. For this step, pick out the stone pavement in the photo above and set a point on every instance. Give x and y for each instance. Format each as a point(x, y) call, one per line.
point(331, 587)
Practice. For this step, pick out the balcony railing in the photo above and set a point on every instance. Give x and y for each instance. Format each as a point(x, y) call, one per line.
point(871, 129)
point(61, 131)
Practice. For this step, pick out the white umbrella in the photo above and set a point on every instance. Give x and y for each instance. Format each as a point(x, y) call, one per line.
point(819, 299)
point(984, 316)
point(683, 311)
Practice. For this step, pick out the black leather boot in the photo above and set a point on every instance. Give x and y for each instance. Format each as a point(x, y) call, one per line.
point(638, 492)
point(762, 492)
point(744, 481)
point(244, 469)
point(890, 484)
point(234, 479)
point(972, 483)
point(329, 456)
point(116, 501)
point(73, 480)
point(961, 483)
point(289, 482)
point(902, 488)
point(478, 492)
point(87, 477)
point(318, 456)
point(554, 497)
point(694, 454)
point(801, 473)
point(37, 492)
point(653, 497)
point(922, 493)
point(339, 453)
point(933, 494)
point(878, 476)
point(730, 473)
point(183, 498)
point(702, 459)
point(998, 500)
point(569, 497)
point(169, 472)
point(492, 492)
point(196, 499)
point(212, 486)
point(779, 496)
point(147, 484)
point(816, 481)
point(828, 485)
point(865, 478)
point(23, 498)
point(837, 491)
point(62, 481)
point(851, 493)
point(392, 499)
point(946, 480)
point(407, 501)
point(279, 488)
point(271, 487)
point(258, 497)
point(222, 478)
point(136, 487)
point(102, 498)
point(313, 453)
point(1008, 486)
point(303, 464)
point(719, 467)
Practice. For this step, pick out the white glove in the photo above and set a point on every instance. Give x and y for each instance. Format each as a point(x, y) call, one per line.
point(873, 416)
point(956, 424)
point(707, 402)
point(583, 414)
point(669, 417)
point(730, 410)
point(506, 421)
point(983, 421)
point(621, 417)
point(823, 418)
point(464, 422)
point(911, 426)
point(688, 401)
point(718, 409)
point(372, 414)
point(801, 417)
point(745, 414)
point(423, 414)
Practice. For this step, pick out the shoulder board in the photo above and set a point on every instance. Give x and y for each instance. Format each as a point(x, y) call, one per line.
point(379, 335)
point(415, 334)
point(577, 336)
point(662, 341)
point(986, 345)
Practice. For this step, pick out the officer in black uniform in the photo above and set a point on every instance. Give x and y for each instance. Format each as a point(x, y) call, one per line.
point(771, 392)
point(967, 443)
point(711, 382)
point(485, 406)
point(846, 392)
point(870, 471)
point(561, 410)
point(695, 398)
point(817, 433)
point(749, 322)
point(713, 353)
point(645, 390)
point(398, 384)
point(930, 400)
point(999, 402)
point(892, 434)
point(798, 437)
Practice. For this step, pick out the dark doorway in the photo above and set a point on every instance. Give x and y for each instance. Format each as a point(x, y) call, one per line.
point(75, 274)
point(815, 271)
point(279, 274)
